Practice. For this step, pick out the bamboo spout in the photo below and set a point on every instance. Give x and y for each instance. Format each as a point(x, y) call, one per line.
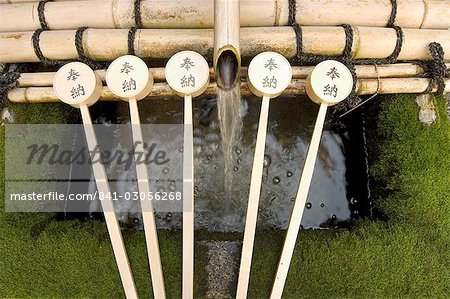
point(227, 53)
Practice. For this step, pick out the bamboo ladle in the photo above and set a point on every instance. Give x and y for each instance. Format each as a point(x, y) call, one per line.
point(329, 83)
point(269, 73)
point(187, 73)
point(128, 78)
point(76, 84)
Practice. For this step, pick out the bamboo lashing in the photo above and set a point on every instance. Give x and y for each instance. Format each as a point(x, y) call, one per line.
point(297, 87)
point(398, 70)
point(108, 44)
point(143, 82)
point(430, 14)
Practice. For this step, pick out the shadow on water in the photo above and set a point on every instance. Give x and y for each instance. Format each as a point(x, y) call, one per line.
point(339, 187)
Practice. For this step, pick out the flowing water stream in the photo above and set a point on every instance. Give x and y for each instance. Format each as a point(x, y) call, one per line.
point(230, 123)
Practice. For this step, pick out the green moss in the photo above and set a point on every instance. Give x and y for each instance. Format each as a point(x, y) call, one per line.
point(406, 256)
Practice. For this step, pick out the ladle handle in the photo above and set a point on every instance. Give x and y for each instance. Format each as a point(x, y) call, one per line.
point(253, 202)
point(112, 224)
point(188, 202)
point(299, 206)
point(151, 235)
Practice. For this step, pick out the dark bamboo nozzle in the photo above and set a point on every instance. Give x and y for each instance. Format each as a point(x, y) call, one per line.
point(227, 70)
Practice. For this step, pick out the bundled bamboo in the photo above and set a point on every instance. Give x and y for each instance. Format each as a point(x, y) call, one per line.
point(227, 51)
point(108, 44)
point(297, 86)
point(399, 70)
point(200, 13)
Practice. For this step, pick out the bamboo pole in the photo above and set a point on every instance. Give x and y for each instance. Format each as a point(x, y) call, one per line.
point(112, 223)
point(226, 42)
point(398, 70)
point(85, 76)
point(200, 13)
point(143, 84)
point(108, 44)
point(297, 87)
point(317, 95)
point(299, 205)
point(188, 203)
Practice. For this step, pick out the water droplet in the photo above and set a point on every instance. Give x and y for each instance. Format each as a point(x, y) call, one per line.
point(353, 201)
point(238, 151)
point(292, 199)
point(136, 220)
point(236, 168)
point(267, 161)
point(289, 174)
point(334, 217)
point(322, 205)
point(276, 180)
point(308, 205)
point(238, 161)
point(180, 149)
point(161, 189)
point(272, 199)
point(165, 170)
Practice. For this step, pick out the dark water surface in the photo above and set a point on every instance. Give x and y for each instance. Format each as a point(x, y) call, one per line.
point(338, 191)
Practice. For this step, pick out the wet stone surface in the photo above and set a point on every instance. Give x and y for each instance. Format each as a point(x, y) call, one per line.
point(427, 112)
point(222, 266)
